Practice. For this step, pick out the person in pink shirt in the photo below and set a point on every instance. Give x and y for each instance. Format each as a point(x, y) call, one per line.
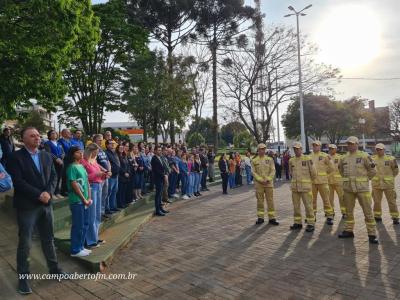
point(96, 175)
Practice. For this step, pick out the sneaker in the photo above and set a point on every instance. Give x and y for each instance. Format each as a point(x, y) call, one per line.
point(87, 250)
point(100, 242)
point(81, 253)
point(185, 197)
point(175, 195)
point(23, 287)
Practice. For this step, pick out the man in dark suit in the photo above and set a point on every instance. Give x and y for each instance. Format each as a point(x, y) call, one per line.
point(159, 173)
point(35, 179)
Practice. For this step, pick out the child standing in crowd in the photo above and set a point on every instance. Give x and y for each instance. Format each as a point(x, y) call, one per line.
point(247, 163)
point(184, 175)
point(96, 175)
point(79, 201)
point(123, 177)
point(196, 168)
point(191, 176)
point(232, 171)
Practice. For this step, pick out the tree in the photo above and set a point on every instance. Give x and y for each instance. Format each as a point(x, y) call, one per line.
point(34, 119)
point(325, 116)
point(230, 130)
point(395, 119)
point(195, 139)
point(256, 82)
point(203, 127)
point(154, 96)
point(218, 22)
point(37, 41)
point(170, 23)
point(95, 78)
point(243, 140)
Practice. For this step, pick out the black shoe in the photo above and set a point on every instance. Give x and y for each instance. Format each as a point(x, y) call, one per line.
point(23, 287)
point(164, 211)
point(107, 213)
point(90, 247)
point(160, 214)
point(346, 235)
point(310, 228)
point(198, 194)
point(296, 226)
point(115, 209)
point(99, 242)
point(372, 239)
point(259, 221)
point(378, 219)
point(344, 216)
point(273, 222)
point(396, 221)
point(329, 221)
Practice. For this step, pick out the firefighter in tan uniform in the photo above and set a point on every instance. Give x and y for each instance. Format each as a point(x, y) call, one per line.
point(357, 168)
point(263, 168)
point(303, 172)
point(324, 167)
point(387, 169)
point(335, 181)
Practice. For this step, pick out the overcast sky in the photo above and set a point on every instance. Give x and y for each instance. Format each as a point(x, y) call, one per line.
point(358, 36)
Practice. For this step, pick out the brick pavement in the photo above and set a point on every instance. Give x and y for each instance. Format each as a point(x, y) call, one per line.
point(209, 248)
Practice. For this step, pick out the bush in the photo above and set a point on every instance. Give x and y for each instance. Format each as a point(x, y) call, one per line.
point(195, 139)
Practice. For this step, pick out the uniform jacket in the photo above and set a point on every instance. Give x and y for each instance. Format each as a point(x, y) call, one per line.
point(263, 169)
point(303, 173)
point(386, 170)
point(357, 169)
point(335, 177)
point(323, 166)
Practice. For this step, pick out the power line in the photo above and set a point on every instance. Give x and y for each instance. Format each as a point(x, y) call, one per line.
point(366, 78)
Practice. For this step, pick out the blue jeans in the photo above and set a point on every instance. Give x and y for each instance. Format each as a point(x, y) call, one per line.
point(112, 192)
point(190, 184)
point(197, 178)
point(159, 190)
point(172, 184)
point(105, 206)
point(249, 177)
point(80, 224)
point(204, 178)
point(231, 180)
point(184, 183)
point(94, 215)
point(144, 176)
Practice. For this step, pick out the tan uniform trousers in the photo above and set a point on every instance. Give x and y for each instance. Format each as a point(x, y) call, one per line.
point(306, 197)
point(390, 194)
point(323, 190)
point(265, 193)
point(364, 198)
point(338, 188)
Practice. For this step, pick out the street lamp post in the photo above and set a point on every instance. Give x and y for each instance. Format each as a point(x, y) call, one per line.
point(297, 14)
point(361, 121)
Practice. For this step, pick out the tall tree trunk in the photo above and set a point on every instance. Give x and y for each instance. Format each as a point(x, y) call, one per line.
point(170, 73)
point(215, 95)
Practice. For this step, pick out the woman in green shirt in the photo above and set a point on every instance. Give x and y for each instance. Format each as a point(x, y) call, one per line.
point(79, 201)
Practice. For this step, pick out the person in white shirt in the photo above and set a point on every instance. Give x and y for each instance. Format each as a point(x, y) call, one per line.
point(247, 163)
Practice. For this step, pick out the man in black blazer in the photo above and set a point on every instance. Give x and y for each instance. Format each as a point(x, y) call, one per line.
point(35, 179)
point(159, 173)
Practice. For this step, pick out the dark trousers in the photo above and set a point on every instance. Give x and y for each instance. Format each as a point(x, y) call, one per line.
point(158, 182)
point(204, 178)
point(287, 172)
point(238, 177)
point(122, 194)
point(59, 171)
point(42, 218)
point(64, 181)
point(278, 171)
point(224, 177)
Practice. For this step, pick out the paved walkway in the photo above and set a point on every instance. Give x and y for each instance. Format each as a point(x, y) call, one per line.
point(209, 248)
